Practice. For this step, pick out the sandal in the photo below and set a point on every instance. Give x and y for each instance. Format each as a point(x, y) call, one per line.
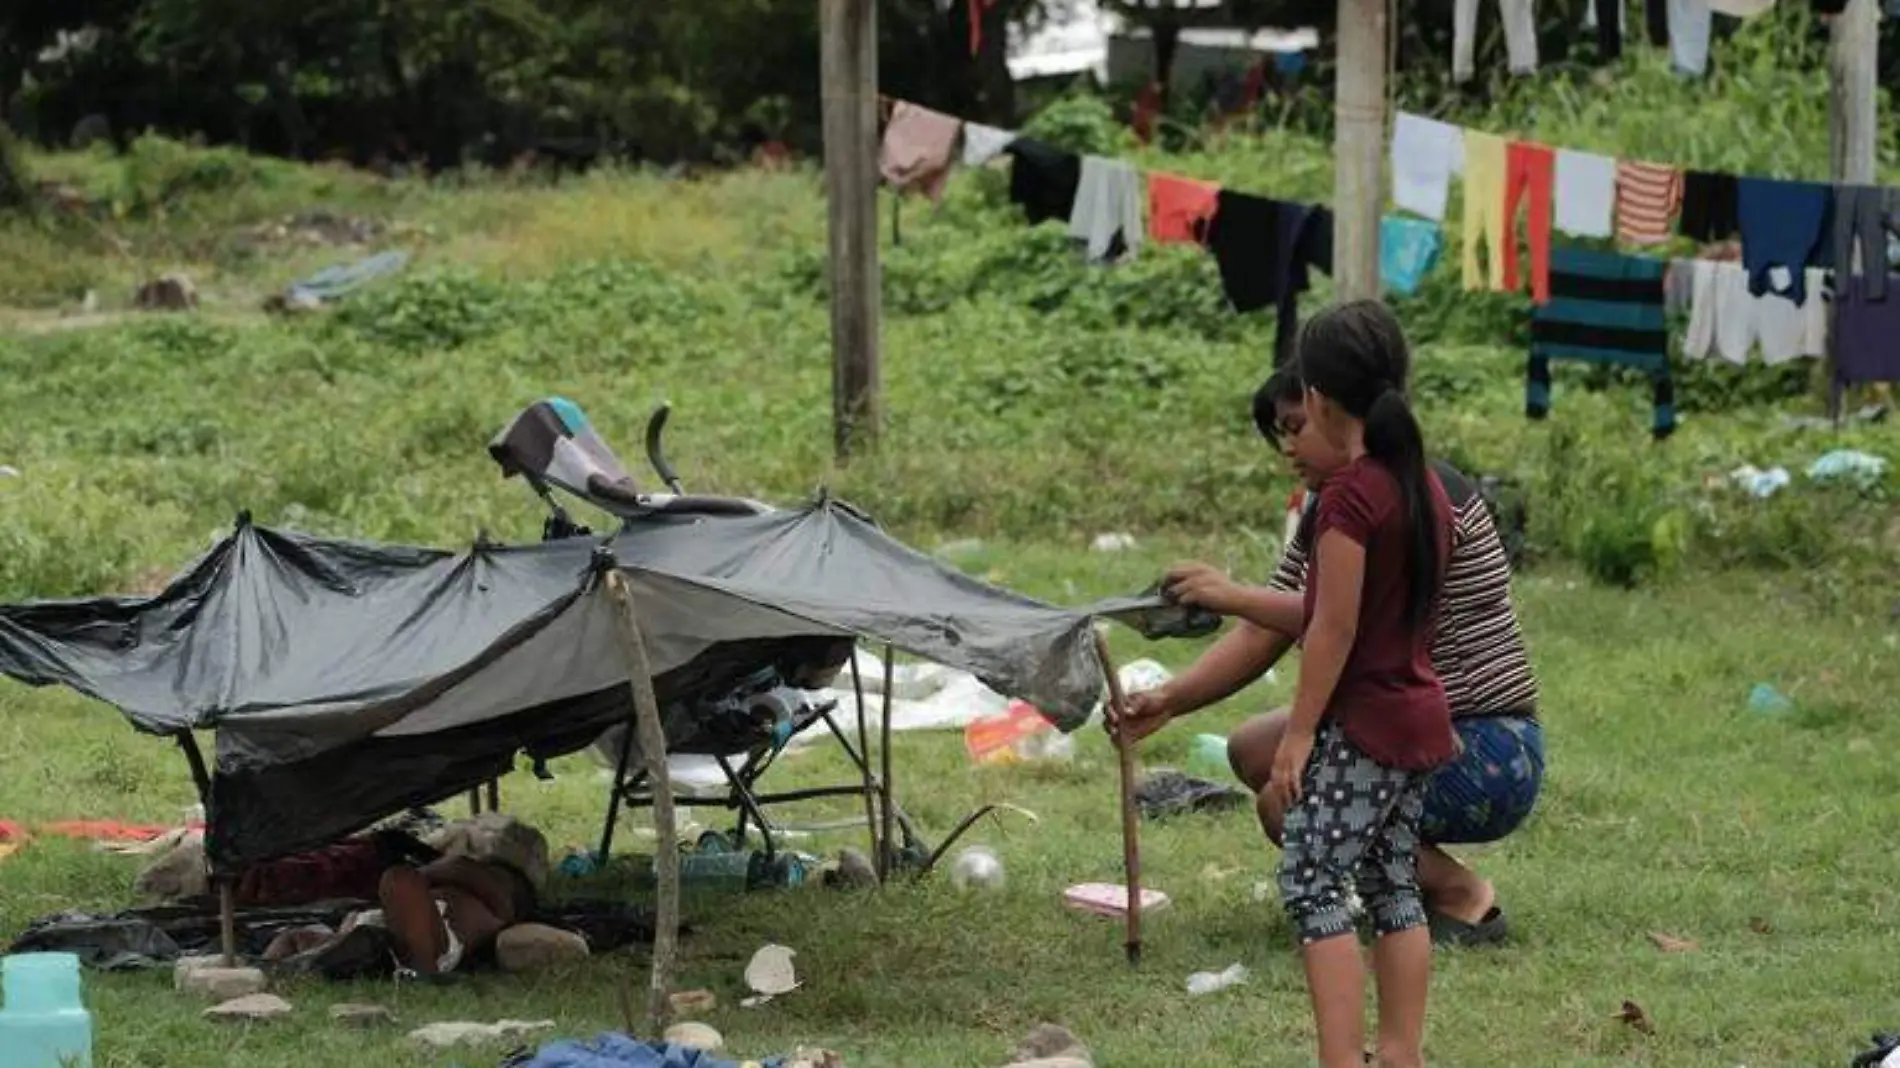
point(1490, 931)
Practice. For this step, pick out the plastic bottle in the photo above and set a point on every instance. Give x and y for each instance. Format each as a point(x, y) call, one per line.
point(44, 1022)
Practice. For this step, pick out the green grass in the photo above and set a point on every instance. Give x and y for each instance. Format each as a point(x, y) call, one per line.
point(1669, 807)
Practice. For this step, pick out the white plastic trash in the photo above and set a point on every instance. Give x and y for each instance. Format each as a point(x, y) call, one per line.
point(977, 867)
point(1208, 982)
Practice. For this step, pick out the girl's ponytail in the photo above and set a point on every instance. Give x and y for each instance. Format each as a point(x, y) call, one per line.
point(1393, 438)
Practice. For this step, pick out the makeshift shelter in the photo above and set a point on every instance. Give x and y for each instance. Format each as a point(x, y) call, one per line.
point(346, 681)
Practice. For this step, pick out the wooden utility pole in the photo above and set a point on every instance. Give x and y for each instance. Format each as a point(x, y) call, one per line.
point(1853, 55)
point(849, 86)
point(1359, 146)
point(1853, 60)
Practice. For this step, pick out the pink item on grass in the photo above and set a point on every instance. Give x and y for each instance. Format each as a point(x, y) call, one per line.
point(1106, 899)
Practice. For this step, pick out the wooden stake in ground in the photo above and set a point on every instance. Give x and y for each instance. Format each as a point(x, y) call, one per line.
point(1359, 146)
point(848, 83)
point(1131, 825)
point(227, 920)
point(652, 737)
point(887, 859)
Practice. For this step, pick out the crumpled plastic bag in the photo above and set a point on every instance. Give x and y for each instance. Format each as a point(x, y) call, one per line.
point(1863, 469)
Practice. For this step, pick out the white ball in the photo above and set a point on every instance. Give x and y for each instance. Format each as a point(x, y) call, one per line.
point(977, 867)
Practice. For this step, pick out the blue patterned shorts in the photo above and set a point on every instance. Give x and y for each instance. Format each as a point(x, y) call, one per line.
point(1490, 789)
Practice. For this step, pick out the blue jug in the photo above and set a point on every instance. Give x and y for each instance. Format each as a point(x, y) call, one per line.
point(43, 1022)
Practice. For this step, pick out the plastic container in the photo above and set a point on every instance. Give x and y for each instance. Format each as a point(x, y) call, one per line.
point(43, 1021)
point(1208, 757)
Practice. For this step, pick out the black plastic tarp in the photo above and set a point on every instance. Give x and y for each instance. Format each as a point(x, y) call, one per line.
point(347, 680)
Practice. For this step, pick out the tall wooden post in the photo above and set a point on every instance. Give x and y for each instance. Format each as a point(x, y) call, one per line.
point(1852, 63)
point(849, 85)
point(1853, 54)
point(1359, 147)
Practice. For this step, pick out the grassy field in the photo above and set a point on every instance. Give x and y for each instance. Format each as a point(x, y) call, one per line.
point(1034, 403)
point(1670, 808)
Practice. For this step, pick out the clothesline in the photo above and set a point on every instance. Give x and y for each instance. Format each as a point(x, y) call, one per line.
point(926, 170)
point(1596, 306)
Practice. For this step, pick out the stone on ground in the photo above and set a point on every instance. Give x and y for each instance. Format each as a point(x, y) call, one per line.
point(532, 946)
point(256, 1008)
point(222, 984)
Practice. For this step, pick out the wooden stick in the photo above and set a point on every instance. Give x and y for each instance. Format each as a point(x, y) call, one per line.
point(864, 755)
point(652, 735)
point(227, 919)
point(1131, 827)
point(887, 836)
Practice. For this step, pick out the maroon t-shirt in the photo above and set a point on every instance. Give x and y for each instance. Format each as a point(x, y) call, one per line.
point(1389, 700)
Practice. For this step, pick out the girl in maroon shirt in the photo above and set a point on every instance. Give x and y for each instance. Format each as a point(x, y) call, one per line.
point(1369, 717)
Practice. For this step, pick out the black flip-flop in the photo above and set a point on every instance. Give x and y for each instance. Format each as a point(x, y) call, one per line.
point(1492, 930)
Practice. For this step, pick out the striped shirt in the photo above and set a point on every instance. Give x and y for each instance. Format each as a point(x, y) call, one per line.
point(1608, 308)
point(1647, 197)
point(1478, 650)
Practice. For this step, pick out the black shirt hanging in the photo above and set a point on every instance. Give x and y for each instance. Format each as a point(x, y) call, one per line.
point(1043, 179)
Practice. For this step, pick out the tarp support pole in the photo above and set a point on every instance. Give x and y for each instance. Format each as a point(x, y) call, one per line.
point(888, 856)
point(227, 890)
point(666, 856)
point(1131, 827)
point(870, 781)
point(613, 798)
point(227, 919)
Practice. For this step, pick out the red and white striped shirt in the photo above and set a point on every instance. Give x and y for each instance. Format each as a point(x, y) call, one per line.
point(1648, 195)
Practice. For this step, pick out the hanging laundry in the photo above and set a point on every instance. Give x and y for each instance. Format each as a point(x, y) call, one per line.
point(1107, 210)
point(919, 145)
point(1605, 308)
point(1864, 329)
point(982, 144)
point(1606, 18)
point(1407, 250)
point(1586, 193)
point(1520, 36)
point(1729, 320)
point(1486, 159)
point(1741, 9)
point(1528, 175)
point(1425, 154)
point(1782, 227)
point(1710, 208)
point(1042, 179)
point(1868, 213)
point(1656, 18)
point(1689, 25)
point(1179, 208)
point(1265, 250)
point(1647, 196)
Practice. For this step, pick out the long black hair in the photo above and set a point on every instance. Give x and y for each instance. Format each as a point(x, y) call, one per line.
point(1355, 353)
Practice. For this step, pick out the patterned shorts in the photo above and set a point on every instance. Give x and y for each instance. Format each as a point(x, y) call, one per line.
point(1491, 788)
point(1356, 824)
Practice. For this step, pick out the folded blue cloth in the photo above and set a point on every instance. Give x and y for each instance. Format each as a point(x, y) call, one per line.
point(612, 1049)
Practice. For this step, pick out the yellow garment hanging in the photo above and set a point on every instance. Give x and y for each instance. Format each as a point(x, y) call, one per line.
point(1484, 208)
